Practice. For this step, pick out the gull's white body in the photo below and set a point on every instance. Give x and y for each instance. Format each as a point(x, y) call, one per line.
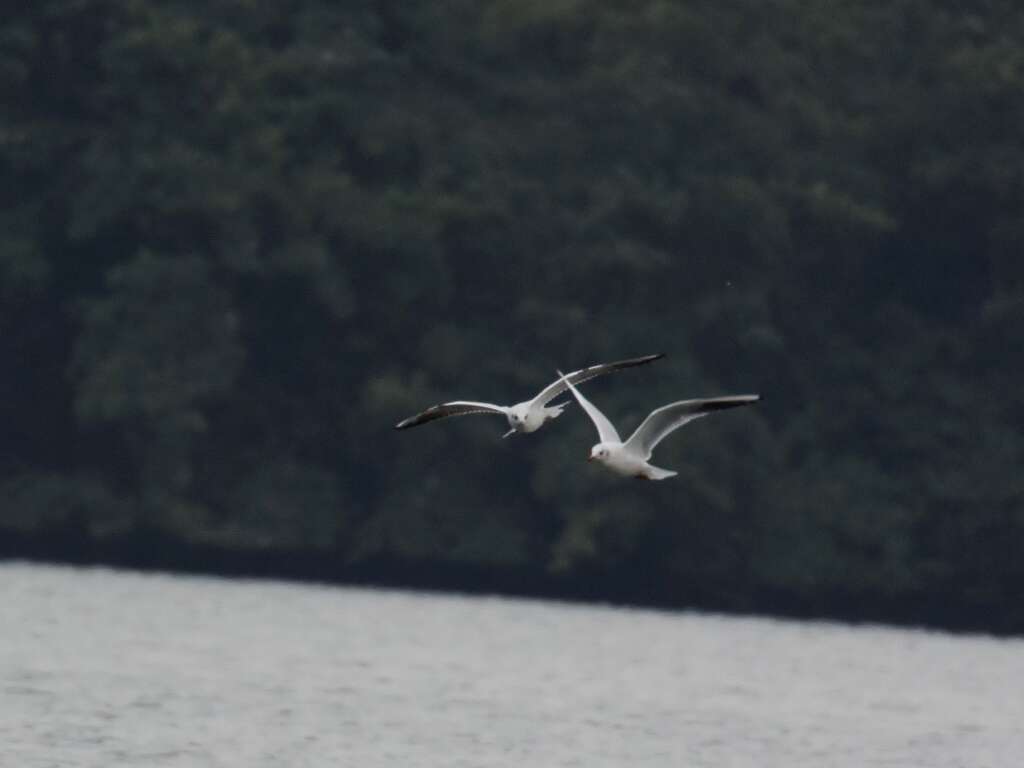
point(631, 457)
point(624, 462)
point(529, 415)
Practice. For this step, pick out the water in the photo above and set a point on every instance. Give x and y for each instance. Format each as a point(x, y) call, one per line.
point(100, 668)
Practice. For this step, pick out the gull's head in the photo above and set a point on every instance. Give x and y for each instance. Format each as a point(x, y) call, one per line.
point(599, 452)
point(517, 416)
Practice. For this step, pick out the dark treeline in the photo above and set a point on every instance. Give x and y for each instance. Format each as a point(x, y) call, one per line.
point(239, 240)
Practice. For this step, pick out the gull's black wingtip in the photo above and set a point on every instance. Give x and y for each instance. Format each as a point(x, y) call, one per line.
point(642, 360)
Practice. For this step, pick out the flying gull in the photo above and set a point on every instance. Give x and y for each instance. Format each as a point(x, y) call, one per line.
point(631, 457)
point(529, 415)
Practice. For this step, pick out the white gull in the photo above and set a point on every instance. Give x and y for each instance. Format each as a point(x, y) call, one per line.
point(529, 415)
point(631, 457)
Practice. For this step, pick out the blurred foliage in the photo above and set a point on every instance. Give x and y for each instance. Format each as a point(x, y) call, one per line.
point(238, 241)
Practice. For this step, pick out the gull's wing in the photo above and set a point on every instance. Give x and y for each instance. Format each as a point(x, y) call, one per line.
point(553, 390)
point(605, 430)
point(657, 426)
point(454, 408)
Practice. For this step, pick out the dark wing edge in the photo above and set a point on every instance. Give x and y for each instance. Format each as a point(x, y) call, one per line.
point(556, 388)
point(663, 421)
point(446, 410)
point(709, 404)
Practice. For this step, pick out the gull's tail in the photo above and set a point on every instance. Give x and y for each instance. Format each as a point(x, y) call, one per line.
point(554, 411)
point(657, 473)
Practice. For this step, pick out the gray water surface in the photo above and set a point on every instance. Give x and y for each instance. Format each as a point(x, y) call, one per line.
point(104, 668)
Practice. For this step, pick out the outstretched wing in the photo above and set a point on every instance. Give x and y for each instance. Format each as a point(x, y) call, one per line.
point(454, 408)
point(553, 390)
point(661, 422)
point(605, 429)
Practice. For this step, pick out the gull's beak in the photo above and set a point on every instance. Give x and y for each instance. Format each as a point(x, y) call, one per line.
point(508, 434)
point(590, 457)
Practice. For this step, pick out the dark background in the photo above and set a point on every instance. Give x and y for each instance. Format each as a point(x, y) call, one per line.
point(240, 240)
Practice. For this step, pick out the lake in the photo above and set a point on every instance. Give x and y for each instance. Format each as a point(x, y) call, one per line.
point(107, 668)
